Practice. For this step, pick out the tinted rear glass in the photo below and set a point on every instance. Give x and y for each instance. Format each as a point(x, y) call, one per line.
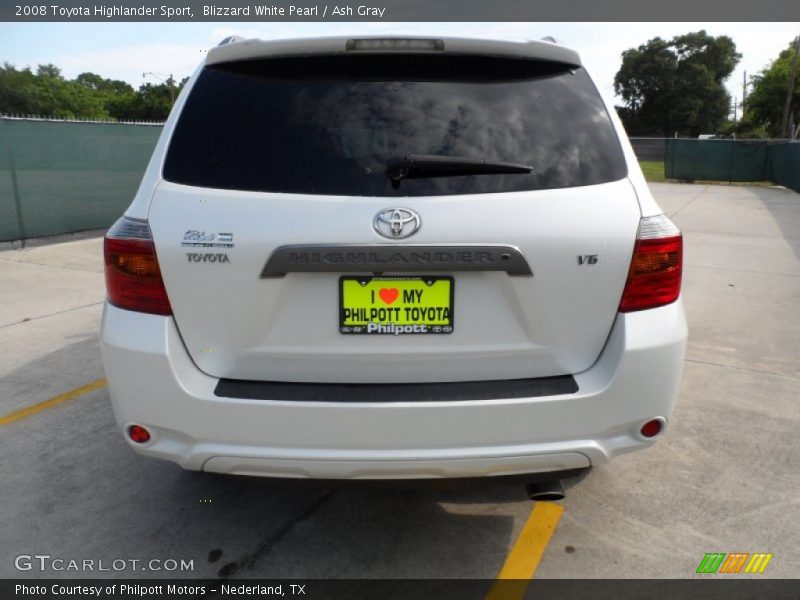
point(329, 125)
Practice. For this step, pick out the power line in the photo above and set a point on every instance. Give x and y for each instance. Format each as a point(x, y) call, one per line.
point(168, 79)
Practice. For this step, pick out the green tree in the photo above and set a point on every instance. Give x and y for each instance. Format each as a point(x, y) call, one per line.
point(49, 71)
point(766, 101)
point(151, 103)
point(676, 85)
point(55, 96)
point(118, 96)
point(89, 96)
point(15, 90)
point(46, 93)
point(743, 129)
point(106, 86)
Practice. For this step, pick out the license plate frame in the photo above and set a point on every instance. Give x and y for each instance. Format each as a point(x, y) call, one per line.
point(359, 325)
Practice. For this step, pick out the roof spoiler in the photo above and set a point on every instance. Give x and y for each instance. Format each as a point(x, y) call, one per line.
point(234, 48)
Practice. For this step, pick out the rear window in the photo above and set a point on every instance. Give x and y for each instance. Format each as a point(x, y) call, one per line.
point(331, 124)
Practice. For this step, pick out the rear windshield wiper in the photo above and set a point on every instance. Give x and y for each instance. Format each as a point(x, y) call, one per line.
point(414, 166)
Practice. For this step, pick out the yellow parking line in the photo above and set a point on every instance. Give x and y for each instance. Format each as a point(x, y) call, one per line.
point(26, 412)
point(525, 556)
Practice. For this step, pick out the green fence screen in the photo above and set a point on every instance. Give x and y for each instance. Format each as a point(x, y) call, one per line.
point(727, 160)
point(62, 177)
point(784, 165)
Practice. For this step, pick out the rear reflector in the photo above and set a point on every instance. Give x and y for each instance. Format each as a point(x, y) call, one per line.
point(133, 279)
point(651, 428)
point(654, 278)
point(138, 434)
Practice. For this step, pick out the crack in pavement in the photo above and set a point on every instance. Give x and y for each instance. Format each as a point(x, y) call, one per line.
point(739, 270)
point(738, 368)
point(60, 312)
point(39, 264)
point(692, 199)
point(249, 561)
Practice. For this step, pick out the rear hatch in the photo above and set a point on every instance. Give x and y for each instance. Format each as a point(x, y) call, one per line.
point(285, 160)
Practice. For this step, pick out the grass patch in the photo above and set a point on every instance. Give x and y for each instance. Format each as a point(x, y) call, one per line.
point(653, 170)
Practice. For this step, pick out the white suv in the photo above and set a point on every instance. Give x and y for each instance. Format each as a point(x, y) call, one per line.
point(392, 258)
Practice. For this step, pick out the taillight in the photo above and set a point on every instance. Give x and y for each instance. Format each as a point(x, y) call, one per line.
point(133, 279)
point(654, 278)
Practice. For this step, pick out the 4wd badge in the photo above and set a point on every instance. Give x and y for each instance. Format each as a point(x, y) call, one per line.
point(200, 239)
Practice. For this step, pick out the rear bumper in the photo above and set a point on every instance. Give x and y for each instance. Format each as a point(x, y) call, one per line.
point(153, 382)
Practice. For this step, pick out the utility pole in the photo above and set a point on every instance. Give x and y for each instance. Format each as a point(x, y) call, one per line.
point(790, 92)
point(744, 92)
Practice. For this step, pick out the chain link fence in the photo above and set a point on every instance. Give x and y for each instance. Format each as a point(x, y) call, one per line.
point(67, 176)
point(647, 148)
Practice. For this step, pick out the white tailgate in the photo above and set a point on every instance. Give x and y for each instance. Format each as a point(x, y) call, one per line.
point(236, 324)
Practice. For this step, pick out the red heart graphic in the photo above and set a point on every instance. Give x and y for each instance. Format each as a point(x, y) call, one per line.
point(388, 295)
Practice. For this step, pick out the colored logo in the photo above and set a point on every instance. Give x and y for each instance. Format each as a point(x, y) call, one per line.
point(736, 562)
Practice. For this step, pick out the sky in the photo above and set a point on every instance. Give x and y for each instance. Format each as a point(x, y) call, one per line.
point(127, 50)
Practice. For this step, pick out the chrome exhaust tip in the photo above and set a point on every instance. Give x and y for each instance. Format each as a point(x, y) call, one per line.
point(545, 491)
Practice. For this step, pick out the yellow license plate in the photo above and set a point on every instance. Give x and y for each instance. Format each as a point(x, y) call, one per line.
point(396, 305)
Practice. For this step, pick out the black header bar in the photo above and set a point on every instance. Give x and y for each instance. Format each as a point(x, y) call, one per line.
point(398, 10)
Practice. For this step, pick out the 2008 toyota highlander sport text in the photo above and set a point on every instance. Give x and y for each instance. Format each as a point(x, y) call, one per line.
point(392, 258)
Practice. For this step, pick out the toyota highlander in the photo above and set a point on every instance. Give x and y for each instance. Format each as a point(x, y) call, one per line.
point(392, 258)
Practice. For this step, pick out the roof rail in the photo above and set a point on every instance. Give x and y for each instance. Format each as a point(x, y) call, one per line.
point(231, 39)
point(549, 38)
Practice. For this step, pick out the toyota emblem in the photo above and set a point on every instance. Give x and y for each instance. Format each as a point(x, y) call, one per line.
point(397, 223)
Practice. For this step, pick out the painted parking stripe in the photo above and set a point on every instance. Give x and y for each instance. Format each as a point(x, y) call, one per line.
point(525, 556)
point(24, 413)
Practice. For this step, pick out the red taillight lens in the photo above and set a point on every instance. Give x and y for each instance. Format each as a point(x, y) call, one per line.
point(654, 278)
point(133, 279)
